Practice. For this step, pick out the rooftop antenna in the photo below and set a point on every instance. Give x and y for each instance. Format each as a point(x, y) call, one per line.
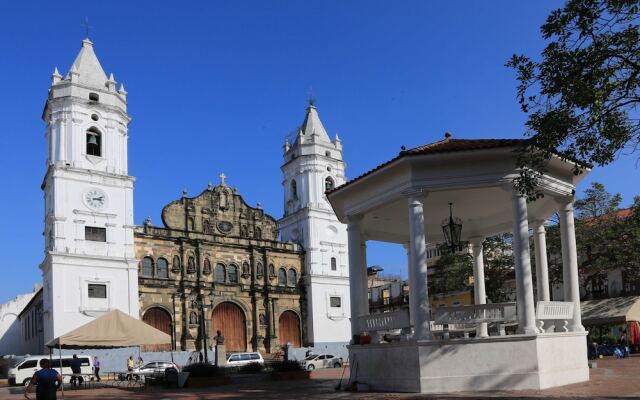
point(86, 26)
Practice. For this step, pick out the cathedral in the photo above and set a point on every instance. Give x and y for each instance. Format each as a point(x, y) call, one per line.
point(215, 263)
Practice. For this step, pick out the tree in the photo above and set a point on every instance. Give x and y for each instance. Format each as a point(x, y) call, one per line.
point(498, 267)
point(451, 274)
point(582, 97)
point(597, 202)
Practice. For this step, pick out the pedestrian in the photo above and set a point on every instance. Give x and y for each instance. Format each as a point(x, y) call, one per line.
point(130, 367)
point(75, 364)
point(96, 368)
point(47, 381)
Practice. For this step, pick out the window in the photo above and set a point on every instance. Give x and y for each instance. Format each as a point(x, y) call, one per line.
point(191, 266)
point(232, 274)
point(282, 277)
point(94, 96)
point(334, 264)
point(95, 234)
point(245, 357)
point(28, 364)
point(220, 273)
point(335, 302)
point(294, 189)
point(386, 297)
point(162, 268)
point(147, 267)
point(291, 277)
point(327, 153)
point(255, 356)
point(328, 184)
point(94, 142)
point(97, 291)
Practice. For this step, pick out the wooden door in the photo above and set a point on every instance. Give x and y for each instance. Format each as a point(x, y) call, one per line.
point(161, 320)
point(229, 319)
point(289, 325)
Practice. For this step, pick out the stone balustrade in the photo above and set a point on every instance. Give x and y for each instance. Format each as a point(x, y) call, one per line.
point(475, 314)
point(559, 312)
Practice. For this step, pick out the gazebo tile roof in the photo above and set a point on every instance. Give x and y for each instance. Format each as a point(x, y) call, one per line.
point(447, 145)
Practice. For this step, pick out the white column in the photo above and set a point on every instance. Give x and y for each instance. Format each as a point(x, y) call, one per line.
point(356, 270)
point(407, 247)
point(364, 299)
point(570, 264)
point(419, 305)
point(524, 281)
point(480, 295)
point(542, 271)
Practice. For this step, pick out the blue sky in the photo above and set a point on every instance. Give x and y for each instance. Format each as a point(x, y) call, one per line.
point(216, 86)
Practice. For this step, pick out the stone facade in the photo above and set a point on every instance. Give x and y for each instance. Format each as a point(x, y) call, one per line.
point(214, 249)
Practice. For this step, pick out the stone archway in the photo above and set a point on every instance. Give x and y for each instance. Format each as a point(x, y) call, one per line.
point(231, 321)
point(289, 327)
point(161, 320)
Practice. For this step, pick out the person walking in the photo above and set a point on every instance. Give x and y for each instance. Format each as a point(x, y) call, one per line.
point(46, 380)
point(96, 368)
point(76, 378)
point(130, 365)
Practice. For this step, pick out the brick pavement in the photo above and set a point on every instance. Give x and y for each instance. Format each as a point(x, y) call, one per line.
point(612, 379)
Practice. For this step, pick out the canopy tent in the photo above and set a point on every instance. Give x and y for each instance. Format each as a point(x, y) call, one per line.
point(114, 329)
point(616, 310)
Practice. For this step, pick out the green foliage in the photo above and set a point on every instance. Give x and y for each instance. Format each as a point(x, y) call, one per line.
point(605, 241)
point(498, 266)
point(582, 97)
point(452, 273)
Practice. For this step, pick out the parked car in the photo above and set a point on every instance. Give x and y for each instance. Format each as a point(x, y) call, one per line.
point(22, 372)
point(155, 367)
point(240, 359)
point(321, 361)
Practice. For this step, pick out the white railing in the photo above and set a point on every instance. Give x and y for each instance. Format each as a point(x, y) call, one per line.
point(559, 312)
point(475, 314)
point(375, 323)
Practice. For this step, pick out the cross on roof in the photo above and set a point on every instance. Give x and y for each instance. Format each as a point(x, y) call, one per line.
point(86, 26)
point(222, 177)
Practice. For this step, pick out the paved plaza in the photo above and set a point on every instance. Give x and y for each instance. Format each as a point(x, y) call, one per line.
point(611, 379)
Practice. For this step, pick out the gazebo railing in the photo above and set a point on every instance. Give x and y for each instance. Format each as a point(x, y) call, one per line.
point(475, 314)
point(374, 323)
point(559, 312)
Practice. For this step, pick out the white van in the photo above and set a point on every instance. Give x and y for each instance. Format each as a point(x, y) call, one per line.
point(21, 373)
point(240, 359)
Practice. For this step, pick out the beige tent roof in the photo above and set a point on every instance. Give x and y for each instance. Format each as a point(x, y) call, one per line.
point(114, 329)
point(617, 310)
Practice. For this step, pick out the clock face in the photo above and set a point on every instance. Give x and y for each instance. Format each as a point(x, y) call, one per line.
point(95, 198)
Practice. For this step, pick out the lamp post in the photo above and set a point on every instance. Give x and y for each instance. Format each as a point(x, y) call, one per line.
point(452, 229)
point(203, 328)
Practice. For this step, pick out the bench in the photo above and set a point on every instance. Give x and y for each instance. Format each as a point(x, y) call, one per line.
point(475, 314)
point(560, 312)
point(374, 323)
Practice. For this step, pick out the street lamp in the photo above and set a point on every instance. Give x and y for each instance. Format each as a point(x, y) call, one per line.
point(452, 229)
point(203, 327)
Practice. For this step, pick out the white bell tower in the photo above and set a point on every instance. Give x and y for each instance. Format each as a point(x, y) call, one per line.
point(312, 165)
point(89, 265)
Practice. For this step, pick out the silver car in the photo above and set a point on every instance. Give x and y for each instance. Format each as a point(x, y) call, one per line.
point(154, 367)
point(321, 361)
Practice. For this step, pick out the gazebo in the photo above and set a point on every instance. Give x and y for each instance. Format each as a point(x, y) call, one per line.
point(408, 201)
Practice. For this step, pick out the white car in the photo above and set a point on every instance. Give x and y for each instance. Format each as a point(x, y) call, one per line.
point(321, 361)
point(240, 359)
point(155, 367)
point(23, 370)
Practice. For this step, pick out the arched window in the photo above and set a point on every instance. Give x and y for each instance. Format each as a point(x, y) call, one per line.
point(232, 274)
point(292, 278)
point(191, 266)
point(94, 142)
point(162, 268)
point(328, 184)
point(327, 153)
point(147, 267)
point(176, 264)
point(246, 270)
point(206, 269)
point(206, 227)
point(334, 264)
point(257, 233)
point(294, 189)
point(221, 274)
point(282, 277)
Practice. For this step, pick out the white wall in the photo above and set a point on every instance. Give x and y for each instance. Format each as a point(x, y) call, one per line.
point(11, 335)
